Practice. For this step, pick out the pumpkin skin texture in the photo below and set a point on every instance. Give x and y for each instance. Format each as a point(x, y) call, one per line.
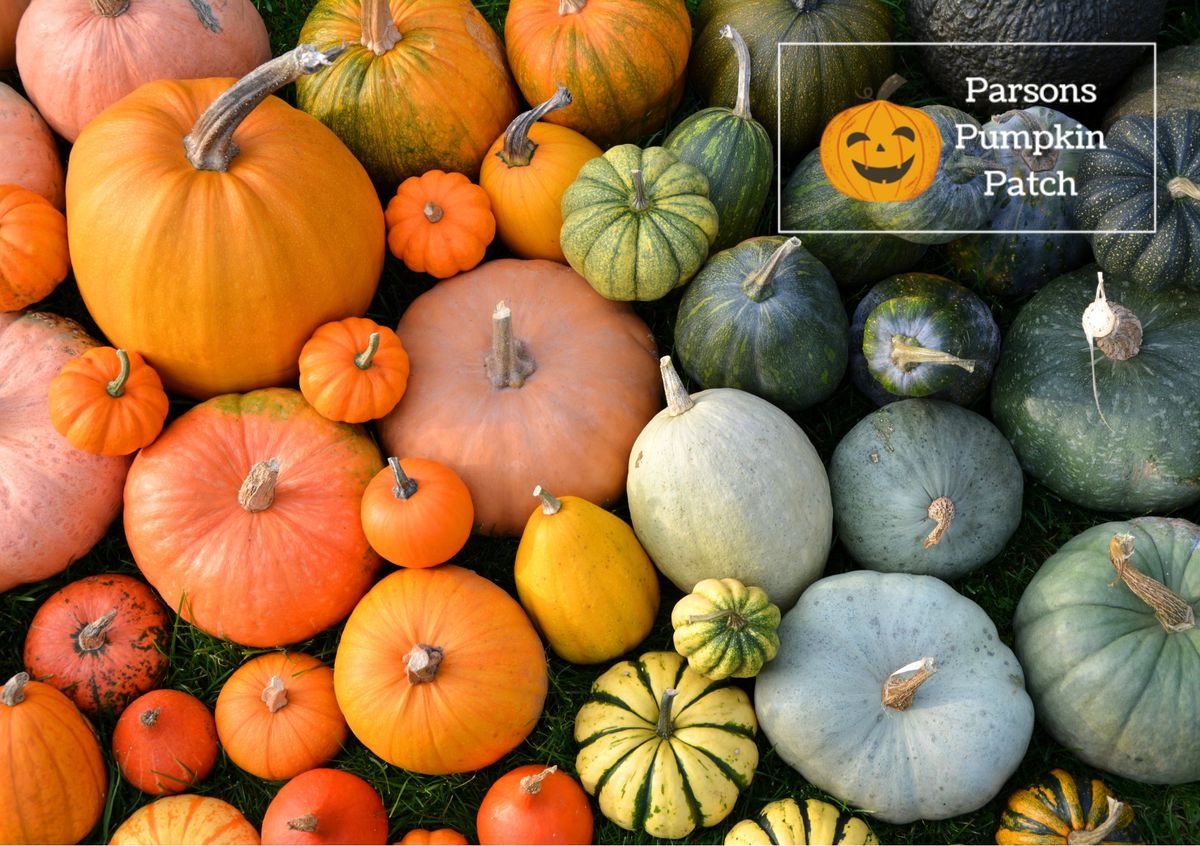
point(788, 823)
point(1111, 683)
point(725, 628)
point(353, 370)
point(961, 735)
point(437, 837)
point(433, 716)
point(225, 536)
point(440, 223)
point(534, 805)
point(1147, 457)
point(637, 237)
point(80, 56)
point(715, 478)
point(594, 376)
point(187, 818)
point(1178, 85)
point(54, 785)
point(326, 806)
point(30, 152)
point(417, 512)
point(764, 317)
point(396, 96)
point(108, 402)
point(59, 500)
point(165, 742)
point(255, 286)
point(1059, 805)
point(10, 17)
point(585, 581)
point(33, 247)
point(664, 749)
point(923, 486)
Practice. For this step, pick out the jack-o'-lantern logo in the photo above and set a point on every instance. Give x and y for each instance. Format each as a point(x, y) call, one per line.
point(881, 152)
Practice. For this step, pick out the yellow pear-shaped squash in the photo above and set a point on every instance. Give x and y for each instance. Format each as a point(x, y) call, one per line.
point(585, 580)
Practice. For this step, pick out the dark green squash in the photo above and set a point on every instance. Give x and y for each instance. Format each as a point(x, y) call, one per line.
point(1178, 85)
point(764, 317)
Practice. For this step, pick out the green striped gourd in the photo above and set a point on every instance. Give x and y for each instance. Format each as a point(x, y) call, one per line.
point(792, 822)
point(726, 629)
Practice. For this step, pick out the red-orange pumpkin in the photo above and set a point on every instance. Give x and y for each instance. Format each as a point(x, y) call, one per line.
point(33, 247)
point(353, 370)
point(196, 820)
point(534, 805)
point(436, 837)
point(10, 16)
point(30, 155)
point(109, 402)
point(417, 513)
point(165, 742)
point(440, 223)
point(325, 806)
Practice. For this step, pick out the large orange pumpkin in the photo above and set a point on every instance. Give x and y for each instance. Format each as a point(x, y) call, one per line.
point(30, 155)
point(187, 818)
point(439, 671)
point(33, 247)
point(213, 246)
point(552, 389)
point(244, 515)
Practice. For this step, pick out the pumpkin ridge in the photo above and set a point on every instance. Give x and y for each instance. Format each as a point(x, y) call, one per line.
point(641, 801)
point(689, 795)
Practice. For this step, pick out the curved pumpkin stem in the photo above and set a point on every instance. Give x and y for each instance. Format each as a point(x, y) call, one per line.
point(551, 504)
point(741, 107)
point(275, 694)
point(665, 726)
point(509, 364)
point(760, 285)
point(14, 690)
point(94, 635)
point(258, 490)
point(898, 693)
point(116, 388)
point(405, 487)
point(379, 33)
point(941, 511)
point(1100, 833)
point(1170, 609)
point(518, 149)
point(889, 86)
point(1181, 187)
point(532, 784)
point(907, 355)
point(363, 360)
point(678, 398)
point(109, 8)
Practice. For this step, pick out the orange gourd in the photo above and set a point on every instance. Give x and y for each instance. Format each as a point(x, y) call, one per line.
point(439, 671)
point(187, 818)
point(10, 16)
point(535, 805)
point(440, 223)
point(417, 513)
point(353, 370)
point(165, 742)
point(525, 174)
point(30, 153)
point(325, 806)
point(108, 402)
point(33, 247)
point(436, 837)
point(277, 715)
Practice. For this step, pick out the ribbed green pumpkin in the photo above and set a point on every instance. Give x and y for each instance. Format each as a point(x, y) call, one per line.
point(637, 223)
point(725, 628)
point(733, 150)
point(790, 822)
point(765, 317)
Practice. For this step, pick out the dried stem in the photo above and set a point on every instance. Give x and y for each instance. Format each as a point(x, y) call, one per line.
point(258, 490)
point(94, 635)
point(941, 511)
point(551, 505)
point(405, 487)
point(898, 693)
point(275, 694)
point(1171, 610)
point(422, 663)
point(678, 399)
point(509, 364)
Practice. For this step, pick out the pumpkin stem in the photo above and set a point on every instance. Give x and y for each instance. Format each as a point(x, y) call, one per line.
point(665, 728)
point(306, 823)
point(532, 784)
point(1114, 329)
point(889, 86)
point(907, 354)
point(760, 285)
point(509, 364)
point(210, 146)
point(422, 662)
point(550, 503)
point(433, 212)
point(14, 690)
point(379, 33)
point(109, 8)
point(678, 398)
point(941, 511)
point(404, 487)
point(518, 149)
point(116, 388)
point(1100, 833)
point(363, 360)
point(1171, 610)
point(638, 201)
point(258, 490)
point(150, 717)
point(94, 635)
point(898, 693)
point(1039, 163)
point(275, 694)
point(741, 108)
point(571, 7)
point(1181, 187)
point(733, 619)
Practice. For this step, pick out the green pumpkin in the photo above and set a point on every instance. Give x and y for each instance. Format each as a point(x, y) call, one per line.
point(724, 628)
point(1107, 635)
point(733, 150)
point(1178, 85)
point(792, 822)
point(765, 317)
point(1144, 454)
point(637, 223)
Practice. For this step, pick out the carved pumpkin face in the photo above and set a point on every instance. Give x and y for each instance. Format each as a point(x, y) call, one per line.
point(881, 152)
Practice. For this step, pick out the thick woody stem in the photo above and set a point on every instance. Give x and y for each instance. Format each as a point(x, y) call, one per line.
point(94, 635)
point(1100, 833)
point(14, 690)
point(364, 359)
point(306, 823)
point(379, 33)
point(678, 399)
point(890, 86)
point(509, 364)
point(551, 505)
point(898, 692)
point(116, 388)
point(941, 511)
point(532, 784)
point(1124, 340)
point(1171, 610)
point(638, 201)
point(907, 355)
point(1181, 187)
point(518, 149)
point(433, 212)
point(109, 8)
point(741, 108)
point(258, 490)
point(1041, 162)
point(275, 694)
point(422, 662)
point(760, 285)
point(665, 727)
point(404, 487)
point(571, 7)
point(150, 717)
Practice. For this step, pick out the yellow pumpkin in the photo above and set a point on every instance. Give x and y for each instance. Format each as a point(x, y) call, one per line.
point(790, 822)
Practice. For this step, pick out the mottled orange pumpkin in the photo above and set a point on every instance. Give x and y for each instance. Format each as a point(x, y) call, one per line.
point(187, 818)
point(165, 742)
point(33, 247)
point(353, 370)
point(440, 223)
point(108, 402)
point(417, 512)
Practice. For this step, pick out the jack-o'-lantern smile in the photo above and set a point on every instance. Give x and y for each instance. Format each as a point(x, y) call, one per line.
point(883, 175)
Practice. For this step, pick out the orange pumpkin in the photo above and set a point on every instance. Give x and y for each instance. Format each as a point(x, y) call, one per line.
point(187, 818)
point(54, 780)
point(440, 223)
point(417, 513)
point(109, 402)
point(533, 805)
point(325, 806)
point(277, 715)
point(525, 174)
point(268, 225)
point(436, 837)
point(439, 671)
point(353, 370)
point(30, 153)
point(880, 151)
point(33, 247)
point(165, 742)
point(10, 16)
point(244, 515)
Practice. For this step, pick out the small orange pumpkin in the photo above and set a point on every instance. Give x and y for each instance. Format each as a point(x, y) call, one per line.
point(165, 742)
point(436, 837)
point(532, 805)
point(325, 806)
point(33, 247)
point(440, 223)
point(187, 818)
point(108, 402)
point(353, 370)
point(417, 512)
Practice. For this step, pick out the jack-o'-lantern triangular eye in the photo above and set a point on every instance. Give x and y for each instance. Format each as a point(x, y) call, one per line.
point(905, 132)
point(856, 138)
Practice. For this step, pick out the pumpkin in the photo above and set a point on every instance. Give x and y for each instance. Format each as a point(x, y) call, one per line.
point(440, 223)
point(1176, 86)
point(277, 715)
point(534, 805)
point(584, 579)
point(439, 671)
point(353, 370)
point(109, 402)
point(664, 749)
point(920, 335)
point(248, 288)
point(493, 399)
point(725, 628)
point(1154, 209)
point(733, 151)
point(624, 61)
point(55, 780)
point(101, 640)
point(880, 668)
point(165, 742)
point(792, 822)
point(187, 818)
point(525, 174)
point(78, 57)
point(1060, 808)
point(30, 152)
point(637, 223)
point(723, 484)
point(1128, 441)
point(248, 501)
point(33, 247)
point(764, 317)
point(325, 806)
point(422, 84)
point(1114, 663)
point(437, 837)
point(59, 501)
point(417, 516)
point(923, 486)
point(10, 17)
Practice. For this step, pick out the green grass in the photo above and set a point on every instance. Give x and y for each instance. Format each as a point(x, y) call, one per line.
point(200, 664)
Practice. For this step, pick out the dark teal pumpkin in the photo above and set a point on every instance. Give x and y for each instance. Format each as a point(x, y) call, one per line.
point(764, 317)
point(1178, 85)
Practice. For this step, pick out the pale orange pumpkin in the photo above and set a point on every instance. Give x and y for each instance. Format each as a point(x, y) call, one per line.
point(33, 247)
point(440, 223)
point(353, 370)
point(187, 818)
point(10, 16)
point(30, 155)
point(108, 402)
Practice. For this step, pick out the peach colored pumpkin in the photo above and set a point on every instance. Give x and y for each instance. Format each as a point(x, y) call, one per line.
point(57, 500)
point(186, 818)
point(10, 16)
point(78, 57)
point(30, 155)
